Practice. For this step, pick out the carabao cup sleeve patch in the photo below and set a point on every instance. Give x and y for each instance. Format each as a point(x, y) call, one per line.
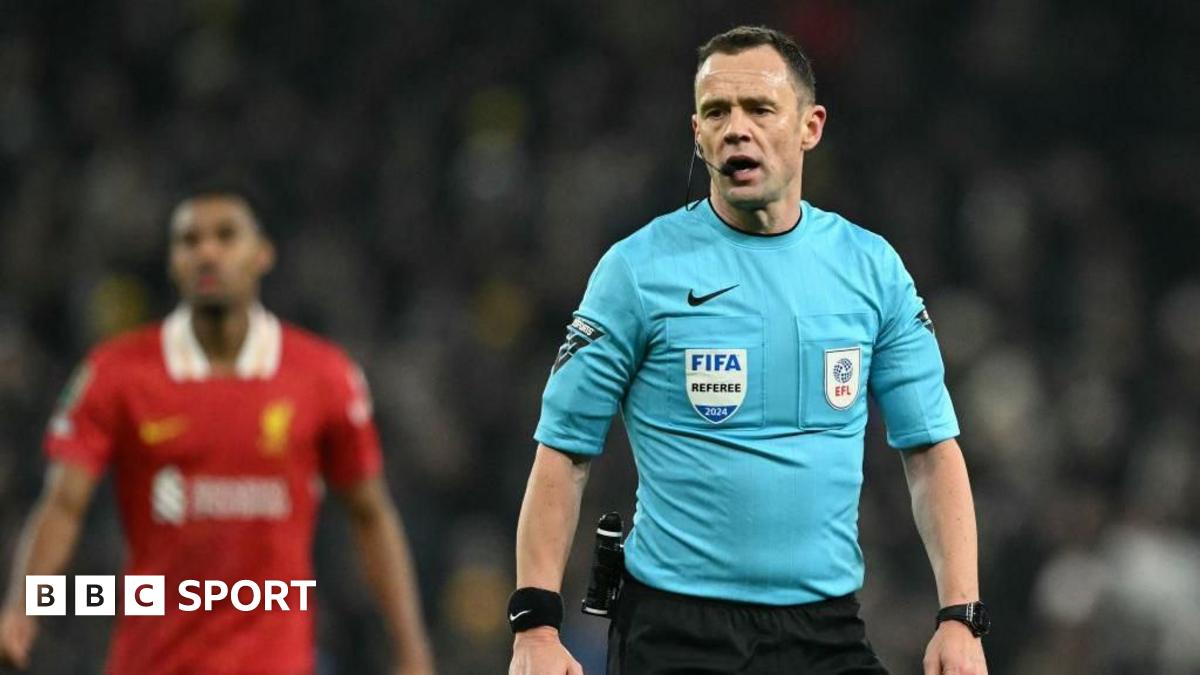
point(925, 320)
point(580, 334)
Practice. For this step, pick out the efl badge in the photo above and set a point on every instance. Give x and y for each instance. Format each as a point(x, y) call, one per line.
point(716, 381)
point(842, 368)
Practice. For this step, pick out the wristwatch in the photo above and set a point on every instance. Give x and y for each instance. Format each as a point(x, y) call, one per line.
point(973, 614)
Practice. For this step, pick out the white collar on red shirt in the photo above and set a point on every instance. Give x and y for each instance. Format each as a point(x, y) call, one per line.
point(185, 359)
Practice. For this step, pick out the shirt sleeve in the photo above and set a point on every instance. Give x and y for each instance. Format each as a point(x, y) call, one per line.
point(907, 375)
point(604, 345)
point(350, 452)
point(84, 427)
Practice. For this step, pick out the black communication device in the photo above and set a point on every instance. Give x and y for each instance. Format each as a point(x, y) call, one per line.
point(608, 565)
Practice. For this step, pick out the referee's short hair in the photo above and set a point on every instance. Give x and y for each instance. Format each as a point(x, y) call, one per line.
point(737, 40)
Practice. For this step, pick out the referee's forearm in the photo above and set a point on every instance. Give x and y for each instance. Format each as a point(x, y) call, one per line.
point(945, 515)
point(549, 516)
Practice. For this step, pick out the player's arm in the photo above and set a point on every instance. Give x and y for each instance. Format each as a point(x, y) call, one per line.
point(545, 530)
point(351, 462)
point(45, 547)
point(387, 561)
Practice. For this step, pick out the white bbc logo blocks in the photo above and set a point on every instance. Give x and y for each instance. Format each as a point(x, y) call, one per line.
point(145, 595)
point(95, 595)
point(45, 595)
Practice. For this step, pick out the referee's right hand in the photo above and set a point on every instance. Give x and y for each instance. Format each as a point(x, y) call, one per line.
point(538, 651)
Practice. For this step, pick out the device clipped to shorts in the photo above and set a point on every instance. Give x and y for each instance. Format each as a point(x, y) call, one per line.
point(608, 565)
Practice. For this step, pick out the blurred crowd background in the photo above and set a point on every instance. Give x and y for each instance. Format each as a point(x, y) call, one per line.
point(441, 177)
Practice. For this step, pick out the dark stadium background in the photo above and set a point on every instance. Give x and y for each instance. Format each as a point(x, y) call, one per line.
point(442, 176)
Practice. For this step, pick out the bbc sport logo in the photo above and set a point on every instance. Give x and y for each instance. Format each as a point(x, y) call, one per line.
point(145, 595)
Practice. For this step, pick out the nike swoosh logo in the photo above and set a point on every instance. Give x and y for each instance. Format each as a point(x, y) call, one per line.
point(160, 431)
point(696, 302)
point(514, 617)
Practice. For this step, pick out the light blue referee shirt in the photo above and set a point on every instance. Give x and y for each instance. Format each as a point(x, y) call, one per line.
point(741, 365)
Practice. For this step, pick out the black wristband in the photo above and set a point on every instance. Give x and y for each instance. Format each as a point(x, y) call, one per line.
point(531, 607)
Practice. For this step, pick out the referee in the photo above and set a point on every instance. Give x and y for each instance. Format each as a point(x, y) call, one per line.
point(739, 336)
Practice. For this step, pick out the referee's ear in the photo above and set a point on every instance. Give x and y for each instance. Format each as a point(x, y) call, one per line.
point(812, 121)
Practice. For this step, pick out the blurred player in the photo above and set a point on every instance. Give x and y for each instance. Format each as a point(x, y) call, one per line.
point(218, 423)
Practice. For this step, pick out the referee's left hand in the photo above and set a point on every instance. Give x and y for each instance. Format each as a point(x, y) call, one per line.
point(954, 651)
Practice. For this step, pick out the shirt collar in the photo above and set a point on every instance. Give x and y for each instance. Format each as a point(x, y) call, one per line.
point(258, 358)
point(785, 239)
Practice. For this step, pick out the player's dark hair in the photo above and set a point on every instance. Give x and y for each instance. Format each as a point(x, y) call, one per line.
point(240, 190)
point(737, 40)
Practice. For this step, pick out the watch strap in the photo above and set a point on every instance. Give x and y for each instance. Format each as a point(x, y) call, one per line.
point(972, 614)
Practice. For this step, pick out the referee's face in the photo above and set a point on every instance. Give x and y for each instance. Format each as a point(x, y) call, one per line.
point(752, 118)
point(218, 255)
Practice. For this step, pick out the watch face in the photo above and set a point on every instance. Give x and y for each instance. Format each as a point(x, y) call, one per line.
point(981, 619)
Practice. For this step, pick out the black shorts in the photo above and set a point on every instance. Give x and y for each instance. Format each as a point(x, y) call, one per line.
point(654, 632)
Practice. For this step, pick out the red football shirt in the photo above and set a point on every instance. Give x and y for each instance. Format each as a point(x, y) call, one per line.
point(218, 478)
